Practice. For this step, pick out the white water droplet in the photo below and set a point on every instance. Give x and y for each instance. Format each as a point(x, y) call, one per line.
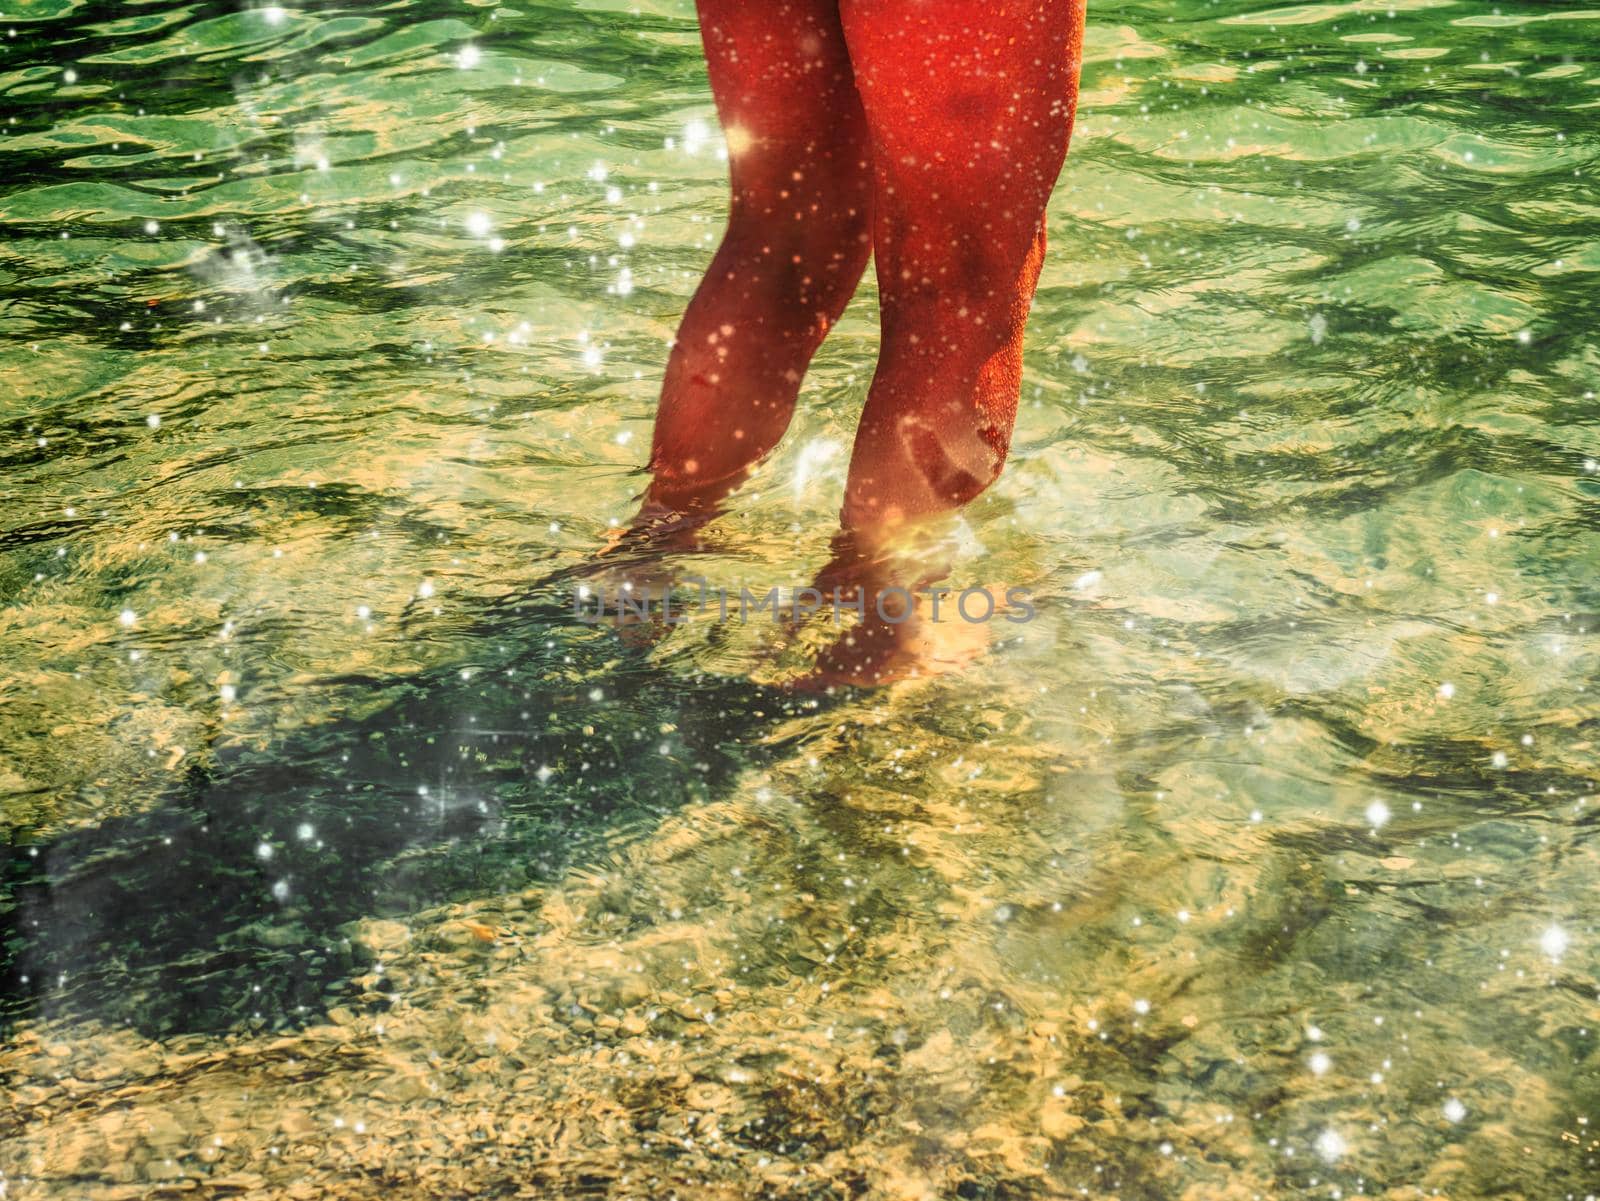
point(1331, 1145)
point(1553, 942)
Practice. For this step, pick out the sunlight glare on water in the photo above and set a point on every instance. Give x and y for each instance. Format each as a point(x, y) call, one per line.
point(344, 859)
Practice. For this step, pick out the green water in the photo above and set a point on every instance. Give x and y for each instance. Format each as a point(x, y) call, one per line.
point(345, 861)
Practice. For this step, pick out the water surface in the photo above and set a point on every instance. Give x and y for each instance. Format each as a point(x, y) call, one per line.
point(344, 861)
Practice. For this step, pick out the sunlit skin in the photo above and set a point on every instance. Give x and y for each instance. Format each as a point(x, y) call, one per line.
point(925, 133)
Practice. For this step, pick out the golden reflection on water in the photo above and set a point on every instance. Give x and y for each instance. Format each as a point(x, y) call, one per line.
point(345, 862)
point(942, 948)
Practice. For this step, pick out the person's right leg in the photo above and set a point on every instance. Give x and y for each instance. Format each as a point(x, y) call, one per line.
point(798, 238)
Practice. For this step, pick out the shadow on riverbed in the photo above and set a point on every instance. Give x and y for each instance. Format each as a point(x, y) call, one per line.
point(220, 904)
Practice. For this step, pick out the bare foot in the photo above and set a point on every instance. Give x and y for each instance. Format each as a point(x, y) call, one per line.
point(910, 626)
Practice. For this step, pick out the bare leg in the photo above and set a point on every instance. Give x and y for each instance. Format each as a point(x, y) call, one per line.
point(970, 110)
point(798, 238)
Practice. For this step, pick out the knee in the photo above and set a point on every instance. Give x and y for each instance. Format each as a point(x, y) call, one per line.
point(977, 258)
point(960, 331)
point(811, 257)
point(791, 196)
point(812, 191)
point(966, 293)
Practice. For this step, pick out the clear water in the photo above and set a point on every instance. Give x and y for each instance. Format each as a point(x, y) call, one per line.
point(342, 859)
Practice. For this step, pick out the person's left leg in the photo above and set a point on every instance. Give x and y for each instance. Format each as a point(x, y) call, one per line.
point(798, 238)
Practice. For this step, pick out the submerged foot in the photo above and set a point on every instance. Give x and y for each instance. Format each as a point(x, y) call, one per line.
point(907, 625)
point(913, 646)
